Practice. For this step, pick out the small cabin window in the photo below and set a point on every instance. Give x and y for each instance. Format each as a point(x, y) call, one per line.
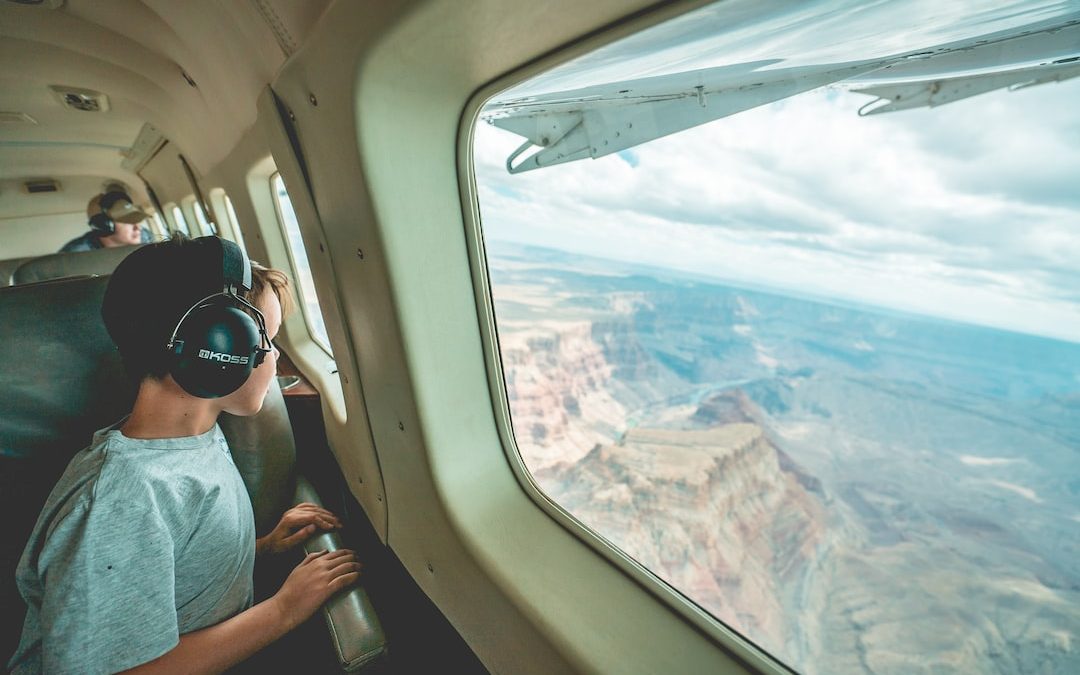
point(205, 226)
point(179, 222)
point(190, 209)
point(160, 227)
point(234, 222)
point(298, 256)
point(786, 307)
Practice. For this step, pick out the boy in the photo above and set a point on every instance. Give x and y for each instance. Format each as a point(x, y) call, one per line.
point(142, 557)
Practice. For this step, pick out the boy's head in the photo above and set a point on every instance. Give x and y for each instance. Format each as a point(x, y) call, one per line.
point(154, 286)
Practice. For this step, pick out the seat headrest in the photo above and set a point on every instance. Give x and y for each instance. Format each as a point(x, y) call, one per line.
point(8, 267)
point(62, 377)
point(101, 261)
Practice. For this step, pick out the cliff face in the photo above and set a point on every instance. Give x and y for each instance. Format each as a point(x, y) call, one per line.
point(712, 512)
point(558, 382)
point(710, 505)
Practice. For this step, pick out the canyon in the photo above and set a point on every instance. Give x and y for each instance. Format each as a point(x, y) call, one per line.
point(853, 489)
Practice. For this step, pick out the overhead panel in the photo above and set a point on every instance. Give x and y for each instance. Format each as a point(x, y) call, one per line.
point(149, 141)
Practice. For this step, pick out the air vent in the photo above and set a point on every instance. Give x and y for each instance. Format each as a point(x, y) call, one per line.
point(83, 100)
point(16, 118)
point(44, 185)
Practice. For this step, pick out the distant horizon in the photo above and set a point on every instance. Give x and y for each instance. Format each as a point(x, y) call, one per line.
point(786, 291)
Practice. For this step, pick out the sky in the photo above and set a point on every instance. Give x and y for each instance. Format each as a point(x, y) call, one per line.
point(968, 211)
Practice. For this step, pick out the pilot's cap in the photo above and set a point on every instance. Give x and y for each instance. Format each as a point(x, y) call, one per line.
point(117, 205)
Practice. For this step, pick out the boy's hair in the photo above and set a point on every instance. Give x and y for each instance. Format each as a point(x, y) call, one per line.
point(153, 287)
point(263, 278)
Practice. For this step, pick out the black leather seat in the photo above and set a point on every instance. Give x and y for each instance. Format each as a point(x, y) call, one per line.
point(99, 262)
point(8, 267)
point(62, 379)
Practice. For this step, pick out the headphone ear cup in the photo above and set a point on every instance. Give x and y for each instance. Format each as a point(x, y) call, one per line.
point(102, 223)
point(219, 346)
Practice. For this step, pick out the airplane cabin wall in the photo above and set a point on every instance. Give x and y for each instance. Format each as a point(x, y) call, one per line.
point(28, 236)
point(378, 93)
point(349, 434)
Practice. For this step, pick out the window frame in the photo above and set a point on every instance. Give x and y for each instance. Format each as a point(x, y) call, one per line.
point(234, 220)
point(325, 346)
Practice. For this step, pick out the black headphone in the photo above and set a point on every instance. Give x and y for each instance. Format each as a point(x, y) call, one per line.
point(216, 344)
point(101, 221)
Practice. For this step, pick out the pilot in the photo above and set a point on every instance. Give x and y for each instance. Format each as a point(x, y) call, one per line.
point(143, 553)
point(114, 220)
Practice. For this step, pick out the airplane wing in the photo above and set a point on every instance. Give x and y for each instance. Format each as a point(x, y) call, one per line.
point(936, 92)
point(599, 120)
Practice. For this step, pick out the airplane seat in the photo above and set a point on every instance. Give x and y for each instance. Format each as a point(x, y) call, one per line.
point(100, 261)
point(8, 267)
point(63, 379)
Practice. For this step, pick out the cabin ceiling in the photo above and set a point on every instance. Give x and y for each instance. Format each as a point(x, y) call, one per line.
point(136, 53)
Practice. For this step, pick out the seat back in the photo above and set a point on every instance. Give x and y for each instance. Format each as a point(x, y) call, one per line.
point(8, 267)
point(100, 261)
point(62, 379)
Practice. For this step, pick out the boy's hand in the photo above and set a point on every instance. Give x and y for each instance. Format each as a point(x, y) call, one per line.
point(312, 582)
point(298, 523)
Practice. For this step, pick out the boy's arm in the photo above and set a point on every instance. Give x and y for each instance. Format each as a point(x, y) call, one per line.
point(221, 646)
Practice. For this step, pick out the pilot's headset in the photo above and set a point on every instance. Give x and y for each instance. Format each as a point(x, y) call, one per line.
point(100, 221)
point(216, 344)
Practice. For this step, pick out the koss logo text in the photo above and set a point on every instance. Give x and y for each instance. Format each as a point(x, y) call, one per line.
point(222, 358)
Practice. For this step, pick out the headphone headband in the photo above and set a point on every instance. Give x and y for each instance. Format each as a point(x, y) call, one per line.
point(101, 221)
point(235, 267)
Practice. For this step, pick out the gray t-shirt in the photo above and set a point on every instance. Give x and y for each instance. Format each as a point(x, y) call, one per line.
point(139, 542)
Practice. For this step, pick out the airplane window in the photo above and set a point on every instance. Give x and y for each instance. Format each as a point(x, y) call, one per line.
point(235, 222)
point(204, 226)
point(160, 226)
point(298, 255)
point(179, 221)
point(786, 304)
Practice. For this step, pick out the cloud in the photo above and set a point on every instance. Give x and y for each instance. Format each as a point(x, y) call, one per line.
point(965, 211)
